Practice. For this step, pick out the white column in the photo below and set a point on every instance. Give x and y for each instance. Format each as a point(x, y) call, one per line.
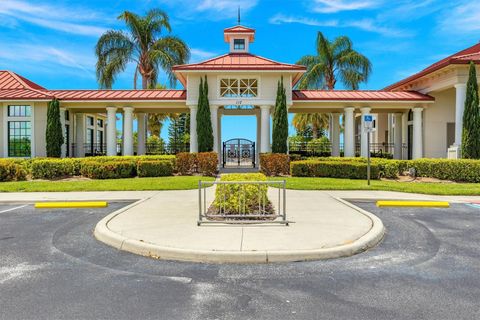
point(214, 121)
point(335, 138)
point(62, 122)
point(397, 139)
point(265, 129)
point(363, 134)
point(417, 150)
point(193, 129)
point(128, 131)
point(141, 133)
point(79, 135)
point(219, 134)
point(349, 133)
point(460, 96)
point(258, 140)
point(111, 131)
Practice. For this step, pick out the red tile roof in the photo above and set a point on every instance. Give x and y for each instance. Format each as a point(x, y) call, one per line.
point(153, 94)
point(359, 95)
point(15, 87)
point(238, 29)
point(239, 61)
point(462, 57)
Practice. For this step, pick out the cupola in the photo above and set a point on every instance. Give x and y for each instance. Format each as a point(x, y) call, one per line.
point(239, 38)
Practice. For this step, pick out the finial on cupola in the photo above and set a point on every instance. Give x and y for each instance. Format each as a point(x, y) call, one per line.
point(238, 22)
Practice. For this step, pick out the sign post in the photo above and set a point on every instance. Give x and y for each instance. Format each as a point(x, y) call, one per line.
point(368, 127)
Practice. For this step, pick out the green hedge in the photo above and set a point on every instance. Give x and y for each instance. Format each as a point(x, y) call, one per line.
point(54, 168)
point(455, 170)
point(333, 169)
point(11, 170)
point(154, 168)
point(108, 170)
point(234, 198)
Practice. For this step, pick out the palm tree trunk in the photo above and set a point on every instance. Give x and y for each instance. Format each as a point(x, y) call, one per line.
point(314, 132)
point(144, 82)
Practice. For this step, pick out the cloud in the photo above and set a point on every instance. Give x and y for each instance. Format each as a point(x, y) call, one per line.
point(214, 9)
point(368, 25)
point(462, 17)
point(280, 19)
point(65, 19)
point(200, 55)
point(333, 6)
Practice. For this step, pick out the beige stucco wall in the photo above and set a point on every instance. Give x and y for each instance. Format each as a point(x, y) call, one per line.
point(39, 128)
point(267, 91)
point(435, 119)
point(2, 135)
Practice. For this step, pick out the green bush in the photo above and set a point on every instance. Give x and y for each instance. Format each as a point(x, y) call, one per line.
point(108, 169)
point(240, 198)
point(275, 164)
point(154, 168)
point(333, 169)
point(11, 170)
point(54, 168)
point(186, 163)
point(445, 169)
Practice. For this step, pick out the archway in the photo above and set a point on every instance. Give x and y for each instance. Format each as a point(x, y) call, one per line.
point(239, 153)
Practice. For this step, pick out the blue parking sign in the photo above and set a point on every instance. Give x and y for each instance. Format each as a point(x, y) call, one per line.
point(368, 118)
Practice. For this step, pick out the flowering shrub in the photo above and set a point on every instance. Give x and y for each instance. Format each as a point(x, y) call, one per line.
point(274, 164)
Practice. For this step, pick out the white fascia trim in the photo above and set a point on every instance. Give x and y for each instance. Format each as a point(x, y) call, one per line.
point(363, 101)
point(123, 102)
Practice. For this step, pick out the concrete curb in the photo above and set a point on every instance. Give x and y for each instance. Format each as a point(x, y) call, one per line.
point(365, 242)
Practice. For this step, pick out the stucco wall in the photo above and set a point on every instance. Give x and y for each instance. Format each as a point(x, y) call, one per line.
point(435, 121)
point(40, 127)
point(2, 135)
point(266, 94)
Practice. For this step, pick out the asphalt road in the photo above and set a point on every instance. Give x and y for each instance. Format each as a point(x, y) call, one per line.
point(427, 267)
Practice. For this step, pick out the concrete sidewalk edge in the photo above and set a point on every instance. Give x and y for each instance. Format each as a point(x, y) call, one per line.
point(365, 242)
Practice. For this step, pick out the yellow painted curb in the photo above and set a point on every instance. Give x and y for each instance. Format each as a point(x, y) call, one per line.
point(59, 205)
point(428, 204)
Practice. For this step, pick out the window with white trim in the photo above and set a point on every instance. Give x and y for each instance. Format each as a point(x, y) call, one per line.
point(19, 131)
point(238, 87)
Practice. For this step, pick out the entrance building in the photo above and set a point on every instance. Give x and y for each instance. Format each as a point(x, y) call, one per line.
point(420, 116)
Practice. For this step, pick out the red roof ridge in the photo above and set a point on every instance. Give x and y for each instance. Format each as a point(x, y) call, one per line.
point(28, 84)
point(238, 26)
point(472, 50)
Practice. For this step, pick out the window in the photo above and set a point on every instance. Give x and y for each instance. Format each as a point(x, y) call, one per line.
point(232, 88)
point(19, 138)
point(90, 121)
point(67, 139)
point(67, 115)
point(19, 111)
point(100, 123)
point(239, 44)
point(99, 138)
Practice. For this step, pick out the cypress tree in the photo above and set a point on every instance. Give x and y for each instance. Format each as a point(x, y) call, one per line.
point(471, 118)
point(280, 121)
point(54, 132)
point(204, 122)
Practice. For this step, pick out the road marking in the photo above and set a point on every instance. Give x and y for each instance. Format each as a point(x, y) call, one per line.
point(60, 205)
point(11, 209)
point(474, 205)
point(427, 204)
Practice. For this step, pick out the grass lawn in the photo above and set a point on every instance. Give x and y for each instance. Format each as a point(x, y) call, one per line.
point(411, 187)
point(132, 184)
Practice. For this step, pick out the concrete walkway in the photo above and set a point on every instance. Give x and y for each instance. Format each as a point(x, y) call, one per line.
point(162, 224)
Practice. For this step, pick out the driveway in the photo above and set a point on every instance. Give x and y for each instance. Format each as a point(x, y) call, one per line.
point(51, 267)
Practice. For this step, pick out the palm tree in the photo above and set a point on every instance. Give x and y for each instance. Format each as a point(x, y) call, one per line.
point(316, 121)
point(143, 45)
point(334, 61)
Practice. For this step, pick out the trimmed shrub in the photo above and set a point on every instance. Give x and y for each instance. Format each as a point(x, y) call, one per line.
point(333, 169)
point(462, 170)
point(275, 164)
point(240, 198)
point(185, 163)
point(108, 170)
point(11, 171)
point(207, 163)
point(54, 168)
point(154, 168)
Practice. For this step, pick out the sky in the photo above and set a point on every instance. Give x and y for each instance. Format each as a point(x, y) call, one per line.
point(51, 42)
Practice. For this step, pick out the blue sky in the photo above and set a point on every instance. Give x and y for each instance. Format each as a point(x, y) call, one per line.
point(51, 42)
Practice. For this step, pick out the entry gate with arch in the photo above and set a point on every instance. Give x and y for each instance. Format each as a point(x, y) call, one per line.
point(239, 152)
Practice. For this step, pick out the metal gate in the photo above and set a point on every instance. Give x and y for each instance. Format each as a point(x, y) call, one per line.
point(239, 153)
